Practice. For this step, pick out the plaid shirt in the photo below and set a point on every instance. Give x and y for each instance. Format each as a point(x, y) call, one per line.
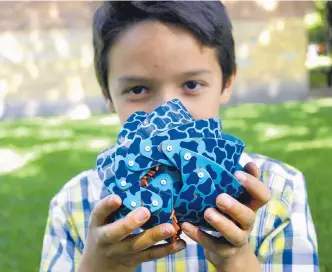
point(283, 237)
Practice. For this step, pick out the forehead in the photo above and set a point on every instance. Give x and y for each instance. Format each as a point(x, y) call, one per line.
point(159, 49)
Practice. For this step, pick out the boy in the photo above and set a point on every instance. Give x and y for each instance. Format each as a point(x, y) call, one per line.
point(147, 53)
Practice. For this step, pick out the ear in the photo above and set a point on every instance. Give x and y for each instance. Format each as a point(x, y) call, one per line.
point(228, 89)
point(109, 103)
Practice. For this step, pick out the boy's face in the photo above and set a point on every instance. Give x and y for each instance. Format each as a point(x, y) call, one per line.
point(152, 63)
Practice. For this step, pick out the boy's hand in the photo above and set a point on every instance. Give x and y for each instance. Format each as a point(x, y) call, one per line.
point(232, 252)
point(112, 247)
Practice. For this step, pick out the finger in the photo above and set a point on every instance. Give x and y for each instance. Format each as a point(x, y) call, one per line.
point(226, 227)
point(143, 240)
point(160, 251)
point(120, 229)
point(103, 209)
point(219, 246)
point(239, 212)
point(252, 169)
point(258, 191)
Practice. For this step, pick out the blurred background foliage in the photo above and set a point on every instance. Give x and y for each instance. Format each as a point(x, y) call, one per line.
point(317, 23)
point(318, 37)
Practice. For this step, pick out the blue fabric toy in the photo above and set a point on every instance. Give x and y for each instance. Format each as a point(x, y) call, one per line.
point(172, 164)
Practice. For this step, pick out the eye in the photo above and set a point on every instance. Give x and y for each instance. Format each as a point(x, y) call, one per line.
point(192, 86)
point(137, 90)
point(136, 93)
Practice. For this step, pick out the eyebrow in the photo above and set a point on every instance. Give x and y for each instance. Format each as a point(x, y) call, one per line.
point(134, 78)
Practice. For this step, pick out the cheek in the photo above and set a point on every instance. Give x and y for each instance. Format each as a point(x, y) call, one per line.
point(203, 107)
point(124, 110)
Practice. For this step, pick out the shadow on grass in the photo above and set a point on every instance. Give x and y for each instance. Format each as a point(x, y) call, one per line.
point(25, 197)
point(299, 134)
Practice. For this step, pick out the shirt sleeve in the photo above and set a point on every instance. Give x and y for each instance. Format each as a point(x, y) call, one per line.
point(61, 250)
point(288, 237)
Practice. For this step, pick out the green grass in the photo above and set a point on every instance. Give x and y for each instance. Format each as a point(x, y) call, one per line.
point(55, 150)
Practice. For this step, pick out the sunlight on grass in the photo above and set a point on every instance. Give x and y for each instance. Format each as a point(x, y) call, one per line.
point(98, 144)
point(233, 124)
point(311, 108)
point(250, 110)
point(42, 133)
point(19, 132)
point(29, 171)
point(10, 160)
point(55, 121)
point(109, 120)
point(269, 132)
point(315, 144)
point(325, 102)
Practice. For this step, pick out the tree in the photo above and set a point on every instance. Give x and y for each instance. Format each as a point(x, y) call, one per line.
point(329, 23)
point(329, 12)
point(317, 22)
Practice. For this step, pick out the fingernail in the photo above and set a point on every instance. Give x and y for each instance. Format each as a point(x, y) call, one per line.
point(210, 216)
point(225, 201)
point(180, 245)
point(185, 227)
point(114, 199)
point(141, 215)
point(168, 230)
point(241, 177)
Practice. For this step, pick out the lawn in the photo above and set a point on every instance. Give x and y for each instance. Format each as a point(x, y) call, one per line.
point(40, 155)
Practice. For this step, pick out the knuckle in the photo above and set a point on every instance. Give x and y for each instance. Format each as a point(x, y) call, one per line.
point(105, 236)
point(228, 253)
point(259, 173)
point(148, 256)
point(173, 248)
point(96, 209)
point(130, 262)
point(133, 245)
point(265, 199)
point(252, 216)
point(215, 247)
point(99, 239)
point(250, 219)
point(110, 252)
point(206, 253)
point(93, 218)
point(127, 226)
point(250, 226)
point(241, 211)
point(208, 256)
point(239, 240)
point(91, 226)
point(126, 262)
point(267, 196)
